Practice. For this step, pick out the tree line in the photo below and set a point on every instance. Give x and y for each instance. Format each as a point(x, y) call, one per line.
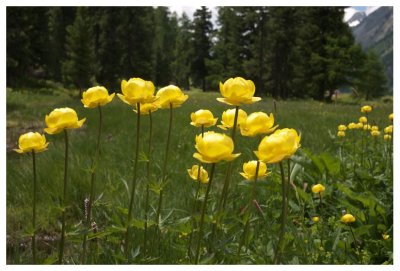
point(302, 52)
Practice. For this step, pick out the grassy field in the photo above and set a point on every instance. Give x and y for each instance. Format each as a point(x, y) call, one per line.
point(317, 122)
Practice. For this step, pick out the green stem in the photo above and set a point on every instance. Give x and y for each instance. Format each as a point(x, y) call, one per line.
point(203, 210)
point(354, 155)
point(148, 181)
point(128, 222)
point(283, 217)
point(34, 208)
point(92, 181)
point(61, 249)
point(355, 241)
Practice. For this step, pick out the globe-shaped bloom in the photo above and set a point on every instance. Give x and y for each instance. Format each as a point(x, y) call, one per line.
point(203, 117)
point(366, 109)
point(352, 126)
point(375, 133)
point(367, 127)
point(385, 236)
point(374, 128)
point(391, 117)
point(194, 174)
point(249, 170)
point(137, 90)
point(389, 129)
point(348, 218)
point(360, 125)
point(387, 137)
point(62, 118)
point(341, 133)
point(237, 91)
point(258, 123)
point(146, 108)
point(280, 145)
point(315, 219)
point(342, 127)
point(318, 188)
point(170, 95)
point(214, 147)
point(228, 118)
point(363, 120)
point(96, 96)
point(31, 142)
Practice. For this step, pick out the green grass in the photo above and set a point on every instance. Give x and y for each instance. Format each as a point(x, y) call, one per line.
point(317, 122)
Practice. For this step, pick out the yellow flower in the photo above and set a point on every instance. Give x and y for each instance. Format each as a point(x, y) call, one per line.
point(389, 129)
point(348, 218)
point(387, 137)
point(238, 91)
point(137, 90)
point(341, 133)
point(257, 123)
point(203, 118)
point(366, 109)
point(194, 171)
point(315, 219)
point(62, 118)
point(228, 118)
point(214, 147)
point(146, 108)
point(363, 119)
point(249, 170)
point(374, 128)
point(391, 117)
point(170, 95)
point(385, 236)
point(96, 96)
point(283, 143)
point(31, 142)
point(342, 127)
point(352, 125)
point(360, 125)
point(375, 133)
point(318, 188)
point(367, 127)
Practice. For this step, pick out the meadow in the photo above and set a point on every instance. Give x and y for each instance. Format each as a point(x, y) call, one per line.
point(362, 190)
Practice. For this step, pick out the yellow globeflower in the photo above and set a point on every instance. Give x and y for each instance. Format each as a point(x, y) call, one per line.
point(283, 143)
point(363, 120)
point(146, 108)
point(96, 96)
point(203, 118)
point(315, 219)
point(62, 118)
point(389, 129)
point(170, 95)
point(342, 127)
point(318, 188)
point(348, 218)
point(214, 147)
point(385, 236)
point(341, 133)
point(352, 125)
point(360, 125)
point(387, 137)
point(258, 123)
point(137, 90)
point(194, 171)
point(237, 91)
point(391, 117)
point(31, 142)
point(228, 118)
point(375, 133)
point(367, 127)
point(374, 128)
point(249, 170)
point(366, 109)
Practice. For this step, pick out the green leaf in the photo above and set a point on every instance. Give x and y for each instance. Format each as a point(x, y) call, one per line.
point(332, 164)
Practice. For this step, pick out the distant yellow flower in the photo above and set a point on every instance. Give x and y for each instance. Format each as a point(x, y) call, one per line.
point(374, 128)
point(228, 118)
point(348, 218)
point(194, 173)
point(389, 129)
point(387, 137)
point(367, 127)
point(96, 96)
point(258, 123)
point(363, 119)
point(366, 109)
point(360, 125)
point(318, 188)
point(341, 133)
point(249, 170)
point(31, 142)
point(282, 144)
point(315, 219)
point(352, 125)
point(237, 91)
point(385, 236)
point(137, 90)
point(375, 133)
point(62, 118)
point(342, 127)
point(391, 117)
point(203, 118)
point(214, 147)
point(170, 95)
point(146, 108)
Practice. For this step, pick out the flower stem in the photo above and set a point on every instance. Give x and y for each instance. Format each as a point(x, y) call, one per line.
point(34, 208)
point(283, 216)
point(61, 249)
point(92, 181)
point(203, 210)
point(148, 182)
point(128, 222)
